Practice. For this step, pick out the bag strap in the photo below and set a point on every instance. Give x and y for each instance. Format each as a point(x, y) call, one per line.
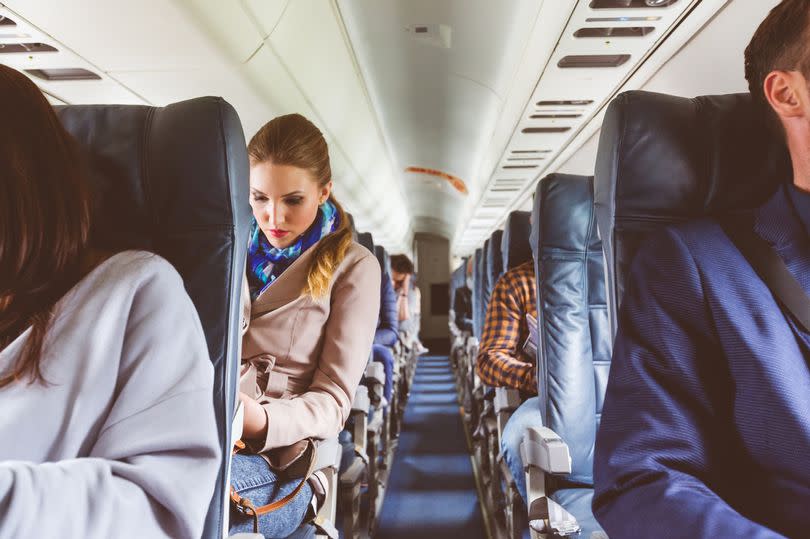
point(769, 266)
point(246, 507)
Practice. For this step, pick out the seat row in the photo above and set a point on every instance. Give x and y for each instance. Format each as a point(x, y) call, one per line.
point(652, 170)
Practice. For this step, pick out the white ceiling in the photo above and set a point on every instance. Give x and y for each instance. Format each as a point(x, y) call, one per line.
point(387, 99)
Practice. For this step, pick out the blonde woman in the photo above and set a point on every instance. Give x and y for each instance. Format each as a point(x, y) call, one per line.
point(313, 297)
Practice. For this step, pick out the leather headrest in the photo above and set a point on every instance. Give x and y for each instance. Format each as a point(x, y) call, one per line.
point(515, 242)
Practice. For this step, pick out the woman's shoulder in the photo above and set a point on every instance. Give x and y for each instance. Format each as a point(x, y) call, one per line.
point(126, 272)
point(359, 262)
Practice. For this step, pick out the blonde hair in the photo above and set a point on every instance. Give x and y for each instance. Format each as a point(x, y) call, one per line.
point(295, 141)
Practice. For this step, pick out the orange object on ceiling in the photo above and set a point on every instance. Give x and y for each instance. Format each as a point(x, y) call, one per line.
point(457, 183)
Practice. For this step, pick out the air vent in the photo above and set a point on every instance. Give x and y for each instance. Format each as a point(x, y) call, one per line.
point(568, 102)
point(630, 4)
point(505, 190)
point(553, 116)
point(519, 166)
point(8, 48)
point(437, 35)
point(507, 182)
point(63, 74)
point(593, 60)
point(525, 158)
point(615, 31)
point(5, 21)
point(536, 130)
point(623, 19)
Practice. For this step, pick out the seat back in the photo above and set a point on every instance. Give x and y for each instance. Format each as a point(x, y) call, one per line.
point(366, 240)
point(174, 180)
point(664, 159)
point(478, 292)
point(575, 345)
point(457, 280)
point(494, 260)
point(515, 244)
point(383, 259)
point(485, 290)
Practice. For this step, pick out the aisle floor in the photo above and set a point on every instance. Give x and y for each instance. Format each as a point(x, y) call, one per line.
point(431, 490)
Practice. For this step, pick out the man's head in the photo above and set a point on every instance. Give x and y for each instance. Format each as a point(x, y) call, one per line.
point(777, 67)
point(401, 266)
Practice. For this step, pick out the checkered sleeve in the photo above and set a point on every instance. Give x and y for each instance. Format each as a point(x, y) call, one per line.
point(500, 362)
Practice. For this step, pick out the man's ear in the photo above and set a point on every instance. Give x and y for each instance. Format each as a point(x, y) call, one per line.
point(782, 90)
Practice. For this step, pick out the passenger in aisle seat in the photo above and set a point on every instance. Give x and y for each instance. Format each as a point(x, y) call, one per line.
point(409, 301)
point(502, 361)
point(311, 301)
point(106, 385)
point(706, 425)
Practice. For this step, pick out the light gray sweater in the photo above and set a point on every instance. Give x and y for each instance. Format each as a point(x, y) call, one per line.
point(122, 441)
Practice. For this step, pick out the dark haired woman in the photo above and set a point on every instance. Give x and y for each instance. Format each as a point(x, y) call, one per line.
point(313, 299)
point(107, 421)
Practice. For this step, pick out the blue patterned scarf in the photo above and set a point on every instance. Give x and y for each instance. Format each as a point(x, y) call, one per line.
point(266, 263)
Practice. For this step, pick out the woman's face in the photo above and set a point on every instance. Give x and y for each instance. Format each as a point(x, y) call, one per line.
point(285, 201)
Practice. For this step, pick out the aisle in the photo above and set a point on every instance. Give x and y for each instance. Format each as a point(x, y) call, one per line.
point(431, 490)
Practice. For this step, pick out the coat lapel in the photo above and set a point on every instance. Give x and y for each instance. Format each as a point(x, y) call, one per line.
point(287, 288)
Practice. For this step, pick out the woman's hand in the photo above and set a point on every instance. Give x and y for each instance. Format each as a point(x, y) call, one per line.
point(255, 423)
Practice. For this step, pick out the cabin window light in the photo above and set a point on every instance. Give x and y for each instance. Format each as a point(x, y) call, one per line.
point(615, 31)
point(567, 102)
point(630, 4)
point(8, 48)
point(63, 74)
point(554, 116)
point(592, 60)
point(535, 130)
point(5, 21)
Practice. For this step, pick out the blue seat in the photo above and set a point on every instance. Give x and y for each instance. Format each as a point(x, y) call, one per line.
point(366, 240)
point(635, 195)
point(574, 346)
point(515, 246)
point(483, 284)
point(174, 180)
point(494, 260)
point(478, 322)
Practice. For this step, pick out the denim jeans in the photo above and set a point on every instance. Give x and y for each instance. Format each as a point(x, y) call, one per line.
point(527, 415)
point(253, 478)
point(383, 354)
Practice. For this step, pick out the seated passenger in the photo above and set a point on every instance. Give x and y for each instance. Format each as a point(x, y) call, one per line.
point(386, 335)
point(106, 385)
point(312, 302)
point(409, 301)
point(462, 302)
point(706, 425)
point(502, 362)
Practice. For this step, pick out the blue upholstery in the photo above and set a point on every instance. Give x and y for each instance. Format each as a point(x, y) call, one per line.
point(515, 244)
point(477, 291)
point(486, 291)
point(457, 280)
point(384, 260)
point(698, 141)
point(494, 260)
point(575, 340)
point(366, 240)
point(174, 181)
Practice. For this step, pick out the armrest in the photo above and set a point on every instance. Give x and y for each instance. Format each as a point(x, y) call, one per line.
point(361, 402)
point(329, 454)
point(506, 399)
point(543, 448)
point(375, 371)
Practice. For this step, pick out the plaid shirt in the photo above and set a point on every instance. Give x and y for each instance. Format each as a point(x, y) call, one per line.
point(501, 362)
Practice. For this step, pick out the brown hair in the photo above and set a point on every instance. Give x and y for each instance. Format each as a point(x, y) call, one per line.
point(401, 264)
point(44, 219)
point(780, 43)
point(295, 141)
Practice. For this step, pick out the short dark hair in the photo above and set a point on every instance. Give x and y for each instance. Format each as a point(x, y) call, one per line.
point(401, 264)
point(780, 43)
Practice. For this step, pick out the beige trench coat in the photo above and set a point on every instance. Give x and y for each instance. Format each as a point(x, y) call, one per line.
point(302, 358)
